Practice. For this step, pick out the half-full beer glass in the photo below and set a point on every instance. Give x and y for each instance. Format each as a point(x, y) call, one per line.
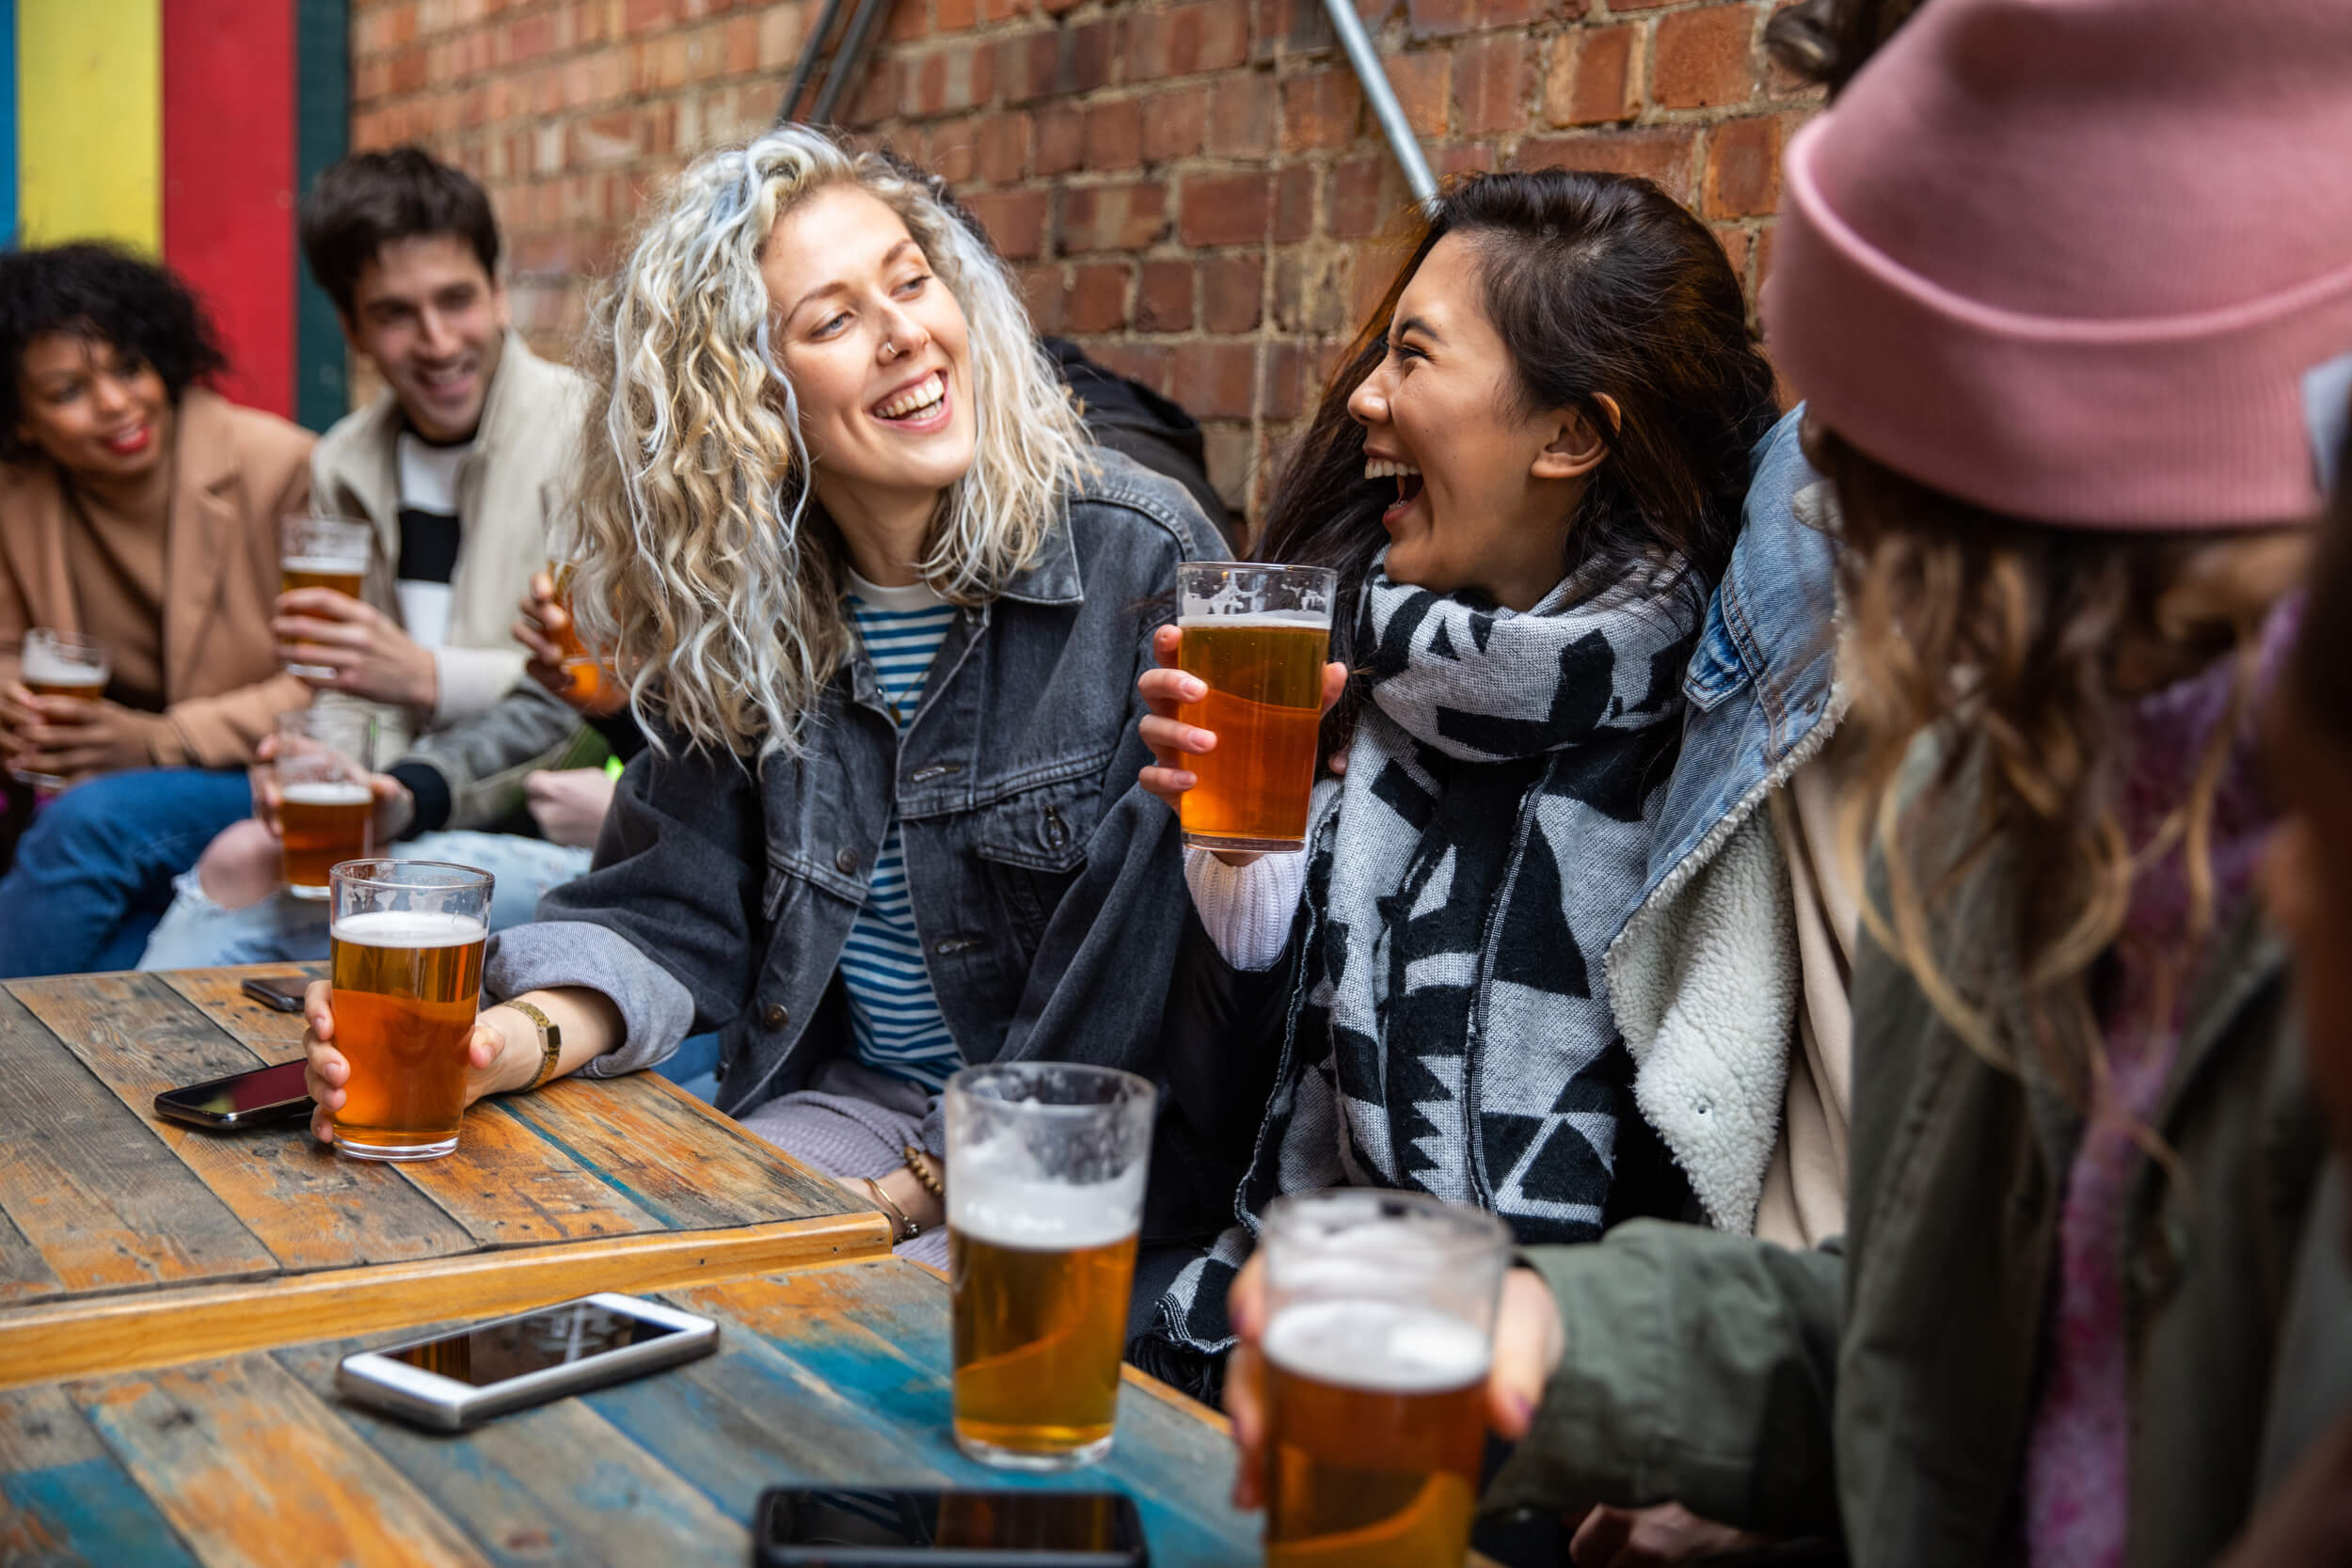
point(326, 812)
point(1381, 1312)
point(1257, 636)
point(406, 942)
point(579, 663)
point(1046, 1167)
point(60, 664)
point(323, 552)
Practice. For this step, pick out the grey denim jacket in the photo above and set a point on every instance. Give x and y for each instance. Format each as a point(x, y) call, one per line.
point(1047, 888)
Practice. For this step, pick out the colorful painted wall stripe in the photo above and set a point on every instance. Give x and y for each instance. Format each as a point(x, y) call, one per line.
point(185, 129)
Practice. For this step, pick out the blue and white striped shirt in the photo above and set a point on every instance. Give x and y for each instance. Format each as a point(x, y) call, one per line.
point(893, 1010)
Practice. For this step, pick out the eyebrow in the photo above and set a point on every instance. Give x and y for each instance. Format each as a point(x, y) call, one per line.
point(836, 287)
point(1415, 323)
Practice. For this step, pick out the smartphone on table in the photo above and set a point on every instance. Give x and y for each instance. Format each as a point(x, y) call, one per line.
point(825, 1528)
point(283, 992)
point(449, 1381)
point(261, 1098)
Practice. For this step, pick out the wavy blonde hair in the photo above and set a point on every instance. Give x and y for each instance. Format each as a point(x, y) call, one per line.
point(700, 568)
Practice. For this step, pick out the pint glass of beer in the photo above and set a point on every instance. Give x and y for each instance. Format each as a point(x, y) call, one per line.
point(577, 661)
point(326, 812)
point(60, 664)
point(324, 552)
point(1380, 1315)
point(1257, 636)
point(1045, 1166)
point(407, 939)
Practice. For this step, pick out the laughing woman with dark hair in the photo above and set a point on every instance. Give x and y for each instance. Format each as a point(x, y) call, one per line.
point(139, 507)
point(1529, 476)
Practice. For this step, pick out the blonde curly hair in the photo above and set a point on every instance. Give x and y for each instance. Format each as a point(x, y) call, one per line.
point(698, 566)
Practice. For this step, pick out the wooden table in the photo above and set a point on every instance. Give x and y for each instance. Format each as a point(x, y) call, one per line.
point(127, 1240)
point(829, 1376)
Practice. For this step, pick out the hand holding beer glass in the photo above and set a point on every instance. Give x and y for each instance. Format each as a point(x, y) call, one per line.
point(325, 805)
point(324, 552)
point(560, 659)
point(406, 941)
point(1376, 1325)
point(1234, 724)
point(1045, 1171)
point(59, 664)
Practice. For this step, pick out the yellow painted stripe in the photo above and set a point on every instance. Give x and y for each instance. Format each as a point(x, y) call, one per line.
point(89, 111)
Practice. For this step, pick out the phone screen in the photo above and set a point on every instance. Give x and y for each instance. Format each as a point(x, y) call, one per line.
point(555, 1338)
point(1014, 1523)
point(240, 1098)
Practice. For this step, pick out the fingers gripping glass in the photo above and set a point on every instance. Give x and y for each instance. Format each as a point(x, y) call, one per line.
point(1258, 638)
point(60, 664)
point(324, 552)
point(325, 811)
point(406, 939)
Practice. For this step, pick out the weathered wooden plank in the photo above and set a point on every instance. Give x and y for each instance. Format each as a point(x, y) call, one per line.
point(312, 1210)
point(50, 1340)
point(272, 1036)
point(505, 1185)
point(64, 1500)
point(656, 1144)
point(92, 1187)
point(252, 1468)
point(24, 1274)
point(557, 1484)
point(876, 1335)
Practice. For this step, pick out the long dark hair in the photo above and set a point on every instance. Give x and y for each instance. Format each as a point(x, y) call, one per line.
point(102, 292)
point(1599, 284)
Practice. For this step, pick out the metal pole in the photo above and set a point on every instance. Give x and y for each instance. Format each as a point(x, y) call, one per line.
point(1382, 97)
point(807, 64)
point(846, 60)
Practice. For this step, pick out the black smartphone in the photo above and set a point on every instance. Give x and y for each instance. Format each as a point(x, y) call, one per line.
point(809, 1528)
point(257, 1099)
point(282, 991)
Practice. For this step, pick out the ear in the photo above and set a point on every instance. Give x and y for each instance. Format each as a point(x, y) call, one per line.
point(1577, 445)
point(501, 302)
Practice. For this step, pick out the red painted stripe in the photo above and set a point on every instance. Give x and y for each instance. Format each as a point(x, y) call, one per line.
point(228, 180)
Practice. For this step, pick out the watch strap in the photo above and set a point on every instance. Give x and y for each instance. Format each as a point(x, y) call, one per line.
point(550, 1043)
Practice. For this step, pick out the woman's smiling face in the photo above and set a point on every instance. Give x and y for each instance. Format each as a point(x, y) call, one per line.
point(876, 349)
point(1487, 490)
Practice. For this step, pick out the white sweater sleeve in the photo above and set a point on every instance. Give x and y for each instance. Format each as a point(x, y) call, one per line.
point(1246, 909)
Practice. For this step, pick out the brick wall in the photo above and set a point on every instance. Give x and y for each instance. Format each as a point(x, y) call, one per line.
point(1192, 188)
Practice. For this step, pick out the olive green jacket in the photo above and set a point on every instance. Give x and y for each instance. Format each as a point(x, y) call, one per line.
point(1884, 1388)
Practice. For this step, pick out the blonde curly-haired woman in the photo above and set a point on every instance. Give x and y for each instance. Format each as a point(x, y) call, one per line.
point(885, 609)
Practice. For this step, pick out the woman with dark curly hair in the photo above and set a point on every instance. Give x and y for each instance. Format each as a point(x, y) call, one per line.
point(141, 508)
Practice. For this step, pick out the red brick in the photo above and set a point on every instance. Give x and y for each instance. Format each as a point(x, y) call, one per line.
point(1421, 82)
point(1295, 203)
point(1297, 27)
point(1098, 298)
point(954, 154)
point(1146, 362)
point(1014, 220)
point(908, 21)
point(1704, 57)
point(1163, 297)
point(1490, 82)
point(1224, 209)
point(645, 16)
point(1042, 290)
point(1743, 168)
point(1216, 380)
point(1241, 116)
point(1113, 217)
point(1662, 154)
point(1088, 60)
point(1029, 64)
point(952, 16)
point(1736, 244)
point(1463, 158)
point(1174, 123)
point(1428, 19)
point(1001, 149)
point(1232, 290)
point(1114, 135)
point(1594, 76)
point(1320, 109)
point(1366, 195)
point(1287, 369)
point(1061, 140)
point(950, 79)
point(1207, 35)
point(1764, 255)
point(1055, 7)
point(1615, 5)
point(993, 12)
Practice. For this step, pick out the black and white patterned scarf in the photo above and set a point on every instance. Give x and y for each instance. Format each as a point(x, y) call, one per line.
point(1448, 1031)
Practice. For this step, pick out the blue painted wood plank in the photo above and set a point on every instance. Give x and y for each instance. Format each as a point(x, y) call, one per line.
point(9, 222)
point(85, 1512)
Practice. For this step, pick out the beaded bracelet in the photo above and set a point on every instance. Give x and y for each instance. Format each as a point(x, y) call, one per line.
point(931, 1184)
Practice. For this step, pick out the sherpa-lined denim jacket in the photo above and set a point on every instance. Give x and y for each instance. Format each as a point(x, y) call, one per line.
point(1047, 888)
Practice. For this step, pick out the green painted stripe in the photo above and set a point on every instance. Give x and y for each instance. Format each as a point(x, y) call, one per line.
point(322, 135)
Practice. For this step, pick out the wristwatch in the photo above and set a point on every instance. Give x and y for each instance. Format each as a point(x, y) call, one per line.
point(550, 1043)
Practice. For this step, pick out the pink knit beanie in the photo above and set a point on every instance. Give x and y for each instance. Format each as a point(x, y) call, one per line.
point(2069, 259)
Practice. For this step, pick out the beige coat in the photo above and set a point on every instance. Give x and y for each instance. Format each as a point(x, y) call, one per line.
point(236, 472)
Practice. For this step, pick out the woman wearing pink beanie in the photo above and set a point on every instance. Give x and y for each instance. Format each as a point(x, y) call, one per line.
point(2059, 279)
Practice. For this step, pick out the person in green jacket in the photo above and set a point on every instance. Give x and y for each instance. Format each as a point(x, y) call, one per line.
point(2065, 433)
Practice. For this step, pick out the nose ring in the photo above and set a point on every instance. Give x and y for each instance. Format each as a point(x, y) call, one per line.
point(890, 352)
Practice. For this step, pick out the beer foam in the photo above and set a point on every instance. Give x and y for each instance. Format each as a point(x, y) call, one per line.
point(329, 792)
point(325, 565)
point(43, 663)
point(1385, 1346)
point(408, 928)
point(1043, 1216)
point(1259, 620)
